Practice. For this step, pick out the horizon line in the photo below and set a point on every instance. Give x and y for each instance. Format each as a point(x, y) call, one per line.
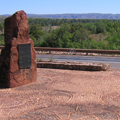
point(64, 13)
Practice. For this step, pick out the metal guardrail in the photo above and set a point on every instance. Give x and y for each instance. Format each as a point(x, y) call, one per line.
point(75, 50)
point(1, 47)
point(78, 50)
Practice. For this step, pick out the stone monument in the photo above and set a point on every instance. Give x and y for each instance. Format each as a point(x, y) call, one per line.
point(18, 58)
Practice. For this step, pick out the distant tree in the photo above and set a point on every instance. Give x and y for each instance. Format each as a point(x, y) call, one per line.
point(36, 32)
point(1, 26)
point(80, 36)
point(2, 39)
point(100, 27)
point(114, 41)
point(51, 40)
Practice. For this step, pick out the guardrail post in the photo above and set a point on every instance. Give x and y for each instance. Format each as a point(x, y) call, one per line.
point(86, 53)
point(50, 52)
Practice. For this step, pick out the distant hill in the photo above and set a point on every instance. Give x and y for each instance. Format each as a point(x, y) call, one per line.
point(74, 16)
point(5, 15)
point(2, 18)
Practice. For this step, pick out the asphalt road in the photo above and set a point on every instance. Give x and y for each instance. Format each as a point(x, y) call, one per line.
point(113, 61)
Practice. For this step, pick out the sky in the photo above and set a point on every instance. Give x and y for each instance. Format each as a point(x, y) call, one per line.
point(60, 6)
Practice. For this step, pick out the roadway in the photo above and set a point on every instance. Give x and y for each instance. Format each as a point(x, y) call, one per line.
point(113, 61)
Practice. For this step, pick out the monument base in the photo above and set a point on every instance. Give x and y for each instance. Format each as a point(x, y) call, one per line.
point(11, 75)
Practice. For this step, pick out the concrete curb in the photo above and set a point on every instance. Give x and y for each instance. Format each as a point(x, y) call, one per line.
point(74, 66)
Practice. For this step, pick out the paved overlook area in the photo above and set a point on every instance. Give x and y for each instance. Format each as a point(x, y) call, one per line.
point(64, 95)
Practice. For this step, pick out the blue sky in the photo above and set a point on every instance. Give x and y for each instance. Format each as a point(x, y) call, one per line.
point(60, 6)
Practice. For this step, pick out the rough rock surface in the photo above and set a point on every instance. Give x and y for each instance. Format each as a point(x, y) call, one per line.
point(16, 32)
point(64, 95)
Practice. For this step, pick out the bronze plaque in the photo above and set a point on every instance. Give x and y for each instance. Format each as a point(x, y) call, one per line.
point(24, 56)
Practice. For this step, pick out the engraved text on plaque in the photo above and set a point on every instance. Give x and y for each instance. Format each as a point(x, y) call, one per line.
point(24, 56)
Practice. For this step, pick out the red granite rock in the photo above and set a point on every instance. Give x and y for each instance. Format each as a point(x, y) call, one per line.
point(16, 32)
point(17, 26)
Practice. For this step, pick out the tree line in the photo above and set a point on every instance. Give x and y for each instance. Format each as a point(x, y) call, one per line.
point(73, 33)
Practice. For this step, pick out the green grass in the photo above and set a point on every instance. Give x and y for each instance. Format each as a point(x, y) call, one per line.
point(51, 59)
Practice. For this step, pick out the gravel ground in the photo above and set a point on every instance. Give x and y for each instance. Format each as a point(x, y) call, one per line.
point(64, 95)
